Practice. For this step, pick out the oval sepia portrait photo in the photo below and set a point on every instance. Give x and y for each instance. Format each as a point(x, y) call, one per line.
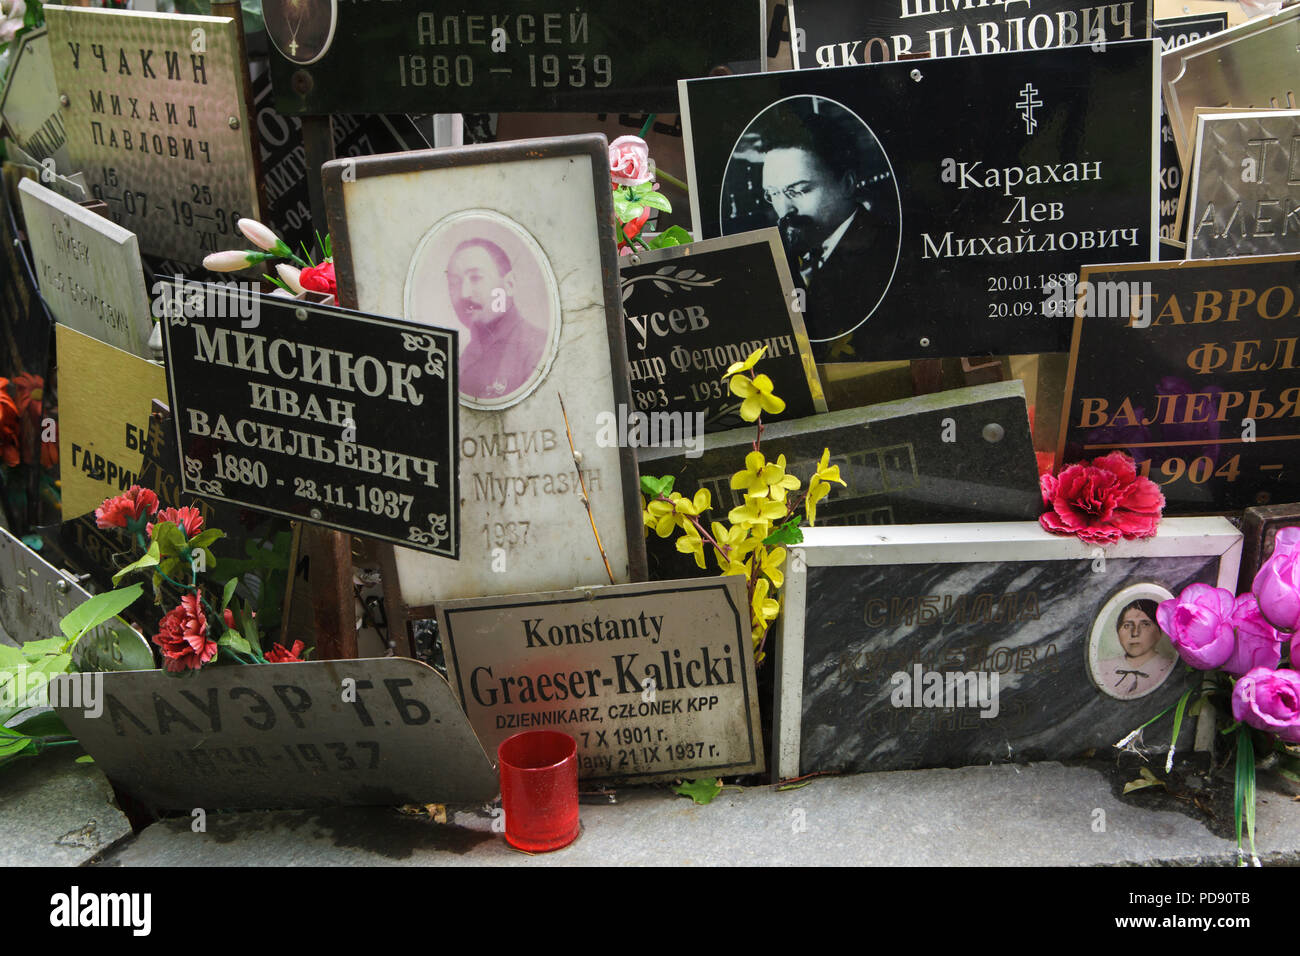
point(483, 274)
point(302, 30)
point(1128, 655)
point(811, 167)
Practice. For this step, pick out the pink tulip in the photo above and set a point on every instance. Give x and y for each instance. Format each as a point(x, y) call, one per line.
point(1199, 625)
point(1269, 700)
point(1277, 585)
point(1259, 644)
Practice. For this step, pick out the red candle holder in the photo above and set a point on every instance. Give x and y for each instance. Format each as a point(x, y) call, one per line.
point(539, 789)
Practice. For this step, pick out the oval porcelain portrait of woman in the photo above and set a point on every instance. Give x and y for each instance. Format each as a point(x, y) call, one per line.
point(1128, 655)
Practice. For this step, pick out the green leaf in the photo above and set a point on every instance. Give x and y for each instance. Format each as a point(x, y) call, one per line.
point(249, 627)
point(13, 746)
point(149, 559)
point(85, 758)
point(701, 791)
point(228, 592)
point(98, 609)
point(654, 487)
point(1243, 792)
point(48, 724)
point(206, 539)
point(11, 656)
point(627, 211)
point(233, 641)
point(1178, 725)
point(672, 236)
point(35, 650)
point(169, 538)
point(656, 201)
point(788, 533)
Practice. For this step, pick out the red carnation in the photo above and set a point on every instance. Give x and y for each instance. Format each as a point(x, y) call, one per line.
point(1101, 501)
point(319, 278)
point(187, 519)
point(229, 618)
point(129, 511)
point(279, 654)
point(10, 428)
point(183, 636)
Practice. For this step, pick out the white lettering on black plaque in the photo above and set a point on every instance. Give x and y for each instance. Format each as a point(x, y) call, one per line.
point(321, 414)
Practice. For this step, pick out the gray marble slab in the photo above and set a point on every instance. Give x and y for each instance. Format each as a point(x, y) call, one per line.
point(1048, 706)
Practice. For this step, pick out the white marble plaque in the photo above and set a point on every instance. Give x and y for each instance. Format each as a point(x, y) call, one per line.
point(89, 270)
point(511, 244)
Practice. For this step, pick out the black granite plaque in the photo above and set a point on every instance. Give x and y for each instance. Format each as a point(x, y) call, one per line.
point(284, 161)
point(836, 33)
point(960, 455)
point(424, 56)
point(306, 411)
point(693, 310)
point(1188, 368)
point(1260, 527)
point(1173, 33)
point(926, 646)
point(917, 231)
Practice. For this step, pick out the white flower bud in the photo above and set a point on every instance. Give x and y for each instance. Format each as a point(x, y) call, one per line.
point(290, 276)
point(258, 234)
point(232, 260)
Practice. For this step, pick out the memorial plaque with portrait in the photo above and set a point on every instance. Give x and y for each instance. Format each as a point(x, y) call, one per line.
point(916, 236)
point(839, 33)
point(946, 645)
point(1185, 367)
point(512, 245)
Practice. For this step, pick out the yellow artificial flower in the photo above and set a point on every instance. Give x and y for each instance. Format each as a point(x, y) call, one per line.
point(817, 490)
point(692, 543)
point(746, 365)
point(824, 473)
point(770, 563)
point(751, 479)
point(757, 510)
point(757, 395)
point(765, 608)
point(778, 482)
point(700, 503)
point(819, 485)
point(661, 516)
point(738, 543)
